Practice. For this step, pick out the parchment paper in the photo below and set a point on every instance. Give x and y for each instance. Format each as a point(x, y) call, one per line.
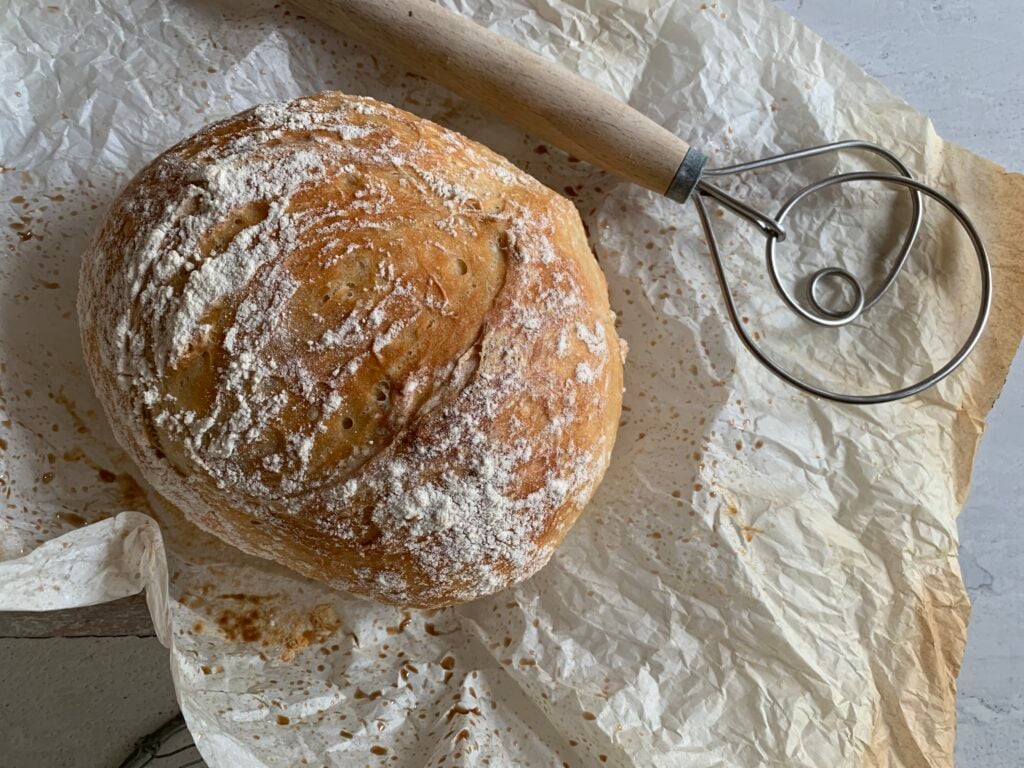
point(763, 578)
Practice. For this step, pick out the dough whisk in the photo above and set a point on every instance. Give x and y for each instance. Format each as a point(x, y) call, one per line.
point(580, 118)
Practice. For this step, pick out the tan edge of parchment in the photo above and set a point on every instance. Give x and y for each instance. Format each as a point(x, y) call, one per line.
point(911, 732)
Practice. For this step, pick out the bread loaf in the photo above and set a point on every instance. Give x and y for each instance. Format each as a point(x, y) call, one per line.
point(354, 342)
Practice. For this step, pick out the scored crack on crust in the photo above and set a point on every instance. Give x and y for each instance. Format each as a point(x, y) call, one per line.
point(346, 339)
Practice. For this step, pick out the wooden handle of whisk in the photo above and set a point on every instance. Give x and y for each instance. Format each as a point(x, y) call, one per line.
point(559, 106)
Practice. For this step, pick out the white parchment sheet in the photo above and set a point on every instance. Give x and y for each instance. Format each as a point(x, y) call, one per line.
point(763, 578)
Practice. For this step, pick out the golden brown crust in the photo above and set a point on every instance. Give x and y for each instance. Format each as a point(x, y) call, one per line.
point(349, 340)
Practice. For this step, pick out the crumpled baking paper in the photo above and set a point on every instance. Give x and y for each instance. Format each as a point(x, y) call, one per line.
point(764, 578)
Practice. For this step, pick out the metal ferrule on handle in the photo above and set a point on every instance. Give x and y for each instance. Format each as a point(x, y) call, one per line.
point(687, 176)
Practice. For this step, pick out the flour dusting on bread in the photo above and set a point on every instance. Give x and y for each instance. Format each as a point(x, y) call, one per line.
point(347, 339)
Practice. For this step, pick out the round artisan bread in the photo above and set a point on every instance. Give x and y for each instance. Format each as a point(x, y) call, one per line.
point(349, 340)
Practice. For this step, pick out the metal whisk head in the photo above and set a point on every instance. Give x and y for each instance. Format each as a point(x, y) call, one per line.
point(813, 310)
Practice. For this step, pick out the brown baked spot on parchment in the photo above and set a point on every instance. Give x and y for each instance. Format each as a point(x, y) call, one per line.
point(265, 621)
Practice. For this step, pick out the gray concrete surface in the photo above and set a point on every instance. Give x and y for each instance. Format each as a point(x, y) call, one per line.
point(82, 702)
